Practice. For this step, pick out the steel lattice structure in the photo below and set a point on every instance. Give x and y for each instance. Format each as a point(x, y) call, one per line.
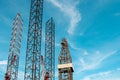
point(14, 50)
point(50, 48)
point(65, 67)
point(32, 65)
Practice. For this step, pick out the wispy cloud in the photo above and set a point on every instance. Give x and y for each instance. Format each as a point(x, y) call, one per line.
point(71, 11)
point(2, 41)
point(93, 61)
point(57, 44)
point(20, 75)
point(117, 14)
point(4, 62)
point(3, 65)
point(56, 73)
point(6, 20)
point(118, 69)
point(106, 75)
point(73, 46)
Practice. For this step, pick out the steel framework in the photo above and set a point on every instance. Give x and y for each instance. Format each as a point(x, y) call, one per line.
point(65, 67)
point(14, 50)
point(32, 65)
point(50, 48)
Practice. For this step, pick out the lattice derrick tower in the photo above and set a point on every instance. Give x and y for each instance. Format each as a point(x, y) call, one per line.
point(50, 48)
point(32, 65)
point(65, 66)
point(14, 50)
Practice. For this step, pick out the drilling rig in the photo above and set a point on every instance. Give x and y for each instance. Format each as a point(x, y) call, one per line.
point(33, 51)
point(65, 66)
point(14, 51)
point(50, 48)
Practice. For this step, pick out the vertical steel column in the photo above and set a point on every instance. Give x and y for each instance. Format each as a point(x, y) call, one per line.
point(32, 65)
point(50, 48)
point(65, 67)
point(14, 50)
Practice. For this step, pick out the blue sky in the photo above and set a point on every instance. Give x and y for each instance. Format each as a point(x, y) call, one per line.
point(90, 26)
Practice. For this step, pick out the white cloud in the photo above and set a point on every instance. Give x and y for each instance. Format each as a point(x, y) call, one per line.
point(3, 65)
point(93, 61)
point(4, 62)
point(56, 73)
point(106, 75)
point(118, 69)
point(86, 78)
point(20, 75)
point(85, 52)
point(57, 44)
point(69, 9)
